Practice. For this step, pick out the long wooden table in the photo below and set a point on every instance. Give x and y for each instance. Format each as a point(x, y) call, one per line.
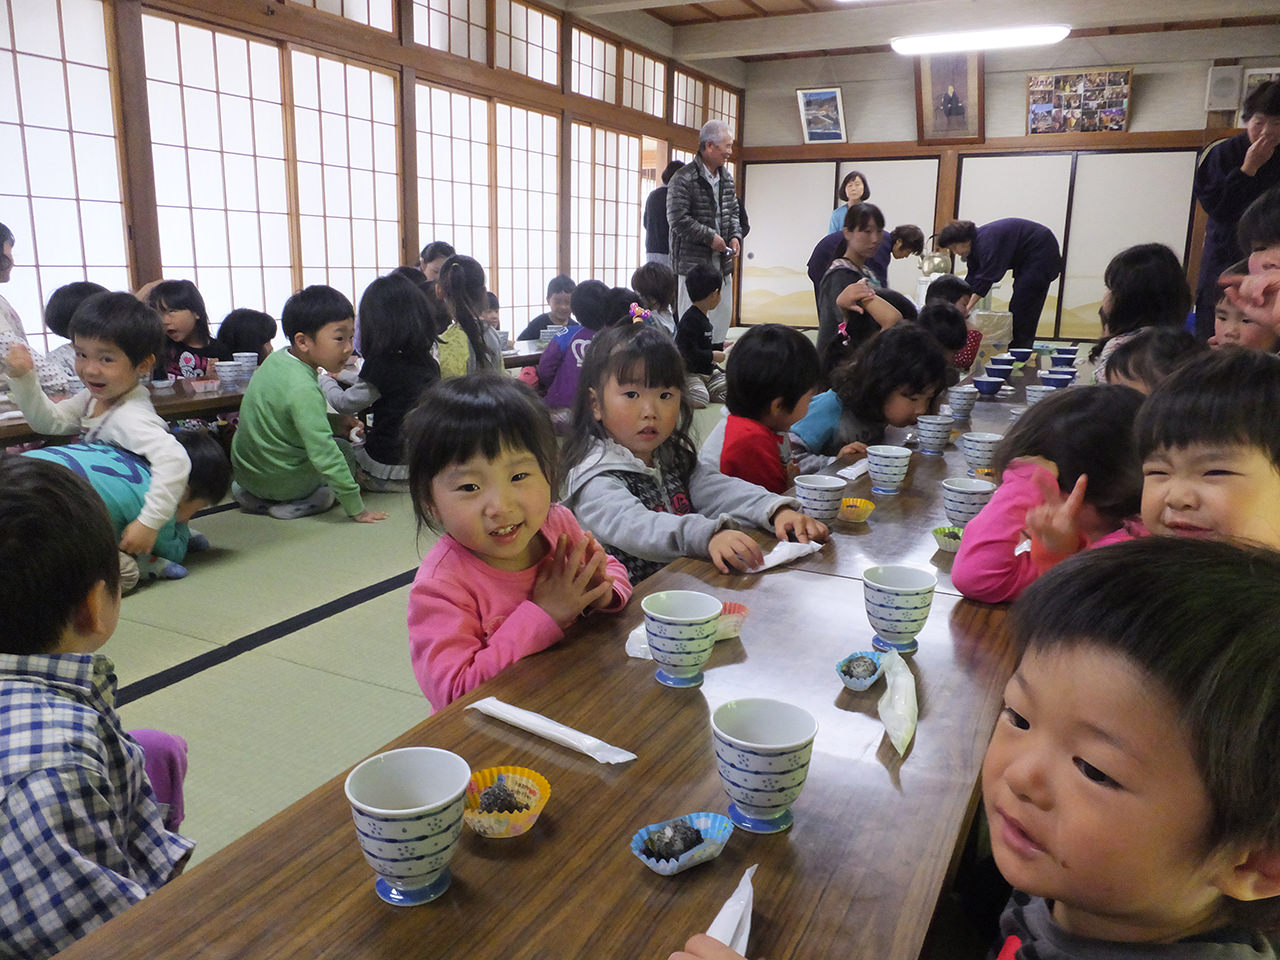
point(859, 875)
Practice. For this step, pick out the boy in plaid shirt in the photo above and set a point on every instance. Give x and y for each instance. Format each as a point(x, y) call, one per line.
point(83, 834)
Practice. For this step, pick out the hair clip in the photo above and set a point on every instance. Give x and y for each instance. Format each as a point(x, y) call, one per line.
point(638, 313)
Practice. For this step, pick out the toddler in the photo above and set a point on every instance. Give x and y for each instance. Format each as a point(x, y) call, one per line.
point(286, 461)
point(1070, 478)
point(633, 476)
point(116, 339)
point(1151, 354)
point(512, 570)
point(770, 376)
point(1233, 327)
point(694, 330)
point(86, 835)
point(190, 350)
point(58, 312)
point(655, 287)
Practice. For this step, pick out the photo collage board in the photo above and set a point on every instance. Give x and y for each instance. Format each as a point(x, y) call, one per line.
point(1079, 100)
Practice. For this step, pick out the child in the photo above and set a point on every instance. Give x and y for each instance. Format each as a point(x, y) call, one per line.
point(511, 571)
point(1130, 780)
point(1146, 287)
point(1144, 360)
point(1233, 327)
point(655, 287)
point(62, 305)
point(633, 474)
point(286, 461)
point(190, 346)
point(694, 331)
point(116, 339)
point(947, 325)
point(561, 362)
point(395, 324)
point(769, 382)
point(469, 344)
point(890, 380)
point(1209, 442)
point(1070, 478)
point(559, 294)
point(956, 291)
point(433, 257)
point(244, 330)
point(492, 316)
point(85, 833)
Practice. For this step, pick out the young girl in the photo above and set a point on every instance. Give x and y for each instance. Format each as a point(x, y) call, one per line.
point(511, 571)
point(1146, 287)
point(633, 476)
point(890, 380)
point(190, 346)
point(394, 324)
point(1151, 354)
point(1070, 478)
point(655, 287)
point(244, 330)
point(848, 292)
point(468, 344)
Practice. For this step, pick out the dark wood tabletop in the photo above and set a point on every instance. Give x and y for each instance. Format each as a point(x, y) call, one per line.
point(526, 353)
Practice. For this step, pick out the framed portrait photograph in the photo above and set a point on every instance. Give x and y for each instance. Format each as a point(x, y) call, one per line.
point(950, 98)
point(821, 115)
point(1079, 100)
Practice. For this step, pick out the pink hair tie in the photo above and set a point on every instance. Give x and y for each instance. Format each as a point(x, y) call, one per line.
point(638, 313)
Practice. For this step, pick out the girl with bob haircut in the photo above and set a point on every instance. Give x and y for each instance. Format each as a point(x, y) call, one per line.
point(1146, 287)
point(189, 346)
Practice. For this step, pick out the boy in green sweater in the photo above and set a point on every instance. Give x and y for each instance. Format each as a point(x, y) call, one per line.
point(286, 460)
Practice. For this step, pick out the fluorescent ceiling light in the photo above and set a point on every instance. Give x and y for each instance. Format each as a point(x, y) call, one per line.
point(994, 39)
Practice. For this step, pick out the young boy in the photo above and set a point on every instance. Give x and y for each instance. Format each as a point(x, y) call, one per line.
point(769, 381)
point(560, 312)
point(122, 479)
point(58, 312)
point(1210, 447)
point(694, 331)
point(561, 362)
point(286, 461)
point(85, 835)
point(1130, 782)
point(1233, 327)
point(117, 339)
point(946, 322)
point(956, 291)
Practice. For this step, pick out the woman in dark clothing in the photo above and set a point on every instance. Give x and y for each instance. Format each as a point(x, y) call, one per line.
point(1027, 248)
point(846, 293)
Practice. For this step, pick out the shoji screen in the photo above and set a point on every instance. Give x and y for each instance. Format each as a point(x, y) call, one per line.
point(528, 210)
point(453, 171)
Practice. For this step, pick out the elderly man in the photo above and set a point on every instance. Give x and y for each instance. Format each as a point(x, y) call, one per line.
point(704, 217)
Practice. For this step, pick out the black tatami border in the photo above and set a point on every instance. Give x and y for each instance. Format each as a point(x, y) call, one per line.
point(259, 638)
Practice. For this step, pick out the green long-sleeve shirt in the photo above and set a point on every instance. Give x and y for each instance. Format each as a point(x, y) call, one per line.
point(283, 448)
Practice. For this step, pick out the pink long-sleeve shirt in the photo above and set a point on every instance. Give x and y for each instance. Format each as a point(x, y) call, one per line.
point(989, 567)
point(468, 621)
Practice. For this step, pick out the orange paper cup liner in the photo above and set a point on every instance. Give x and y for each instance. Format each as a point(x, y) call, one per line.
point(528, 786)
point(853, 510)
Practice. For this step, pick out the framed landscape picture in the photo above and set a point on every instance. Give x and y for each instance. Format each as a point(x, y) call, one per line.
point(1080, 100)
point(950, 105)
point(821, 115)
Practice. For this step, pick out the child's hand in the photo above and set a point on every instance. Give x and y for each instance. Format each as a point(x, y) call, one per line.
point(595, 550)
point(1257, 294)
point(369, 516)
point(851, 452)
point(702, 947)
point(733, 548)
point(1056, 522)
point(568, 582)
point(138, 539)
point(19, 360)
point(791, 524)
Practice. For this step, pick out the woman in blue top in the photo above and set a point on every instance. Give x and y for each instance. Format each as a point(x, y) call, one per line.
point(1027, 248)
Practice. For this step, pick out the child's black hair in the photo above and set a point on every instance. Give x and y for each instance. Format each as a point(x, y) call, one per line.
point(1259, 226)
point(436, 250)
point(844, 185)
point(669, 171)
point(395, 320)
point(1264, 99)
point(244, 330)
point(656, 286)
point(1085, 430)
point(946, 323)
point(56, 544)
point(858, 216)
point(947, 288)
point(480, 413)
point(590, 301)
point(769, 362)
point(1152, 354)
point(122, 319)
point(462, 281)
point(170, 295)
point(910, 236)
point(632, 353)
point(63, 303)
point(312, 308)
point(560, 283)
point(1226, 396)
point(210, 476)
point(618, 305)
point(492, 300)
point(1198, 618)
point(903, 356)
point(702, 281)
point(1148, 289)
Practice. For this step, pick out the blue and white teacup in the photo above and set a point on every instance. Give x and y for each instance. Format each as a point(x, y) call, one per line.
point(762, 751)
point(680, 626)
point(820, 495)
point(964, 497)
point(898, 600)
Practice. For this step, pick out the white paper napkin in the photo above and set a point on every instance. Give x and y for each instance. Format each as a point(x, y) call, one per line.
point(785, 552)
point(551, 730)
point(732, 925)
point(853, 471)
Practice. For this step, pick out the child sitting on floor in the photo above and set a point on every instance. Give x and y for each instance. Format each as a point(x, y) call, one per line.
point(769, 380)
point(512, 570)
point(561, 362)
point(286, 460)
point(694, 331)
point(244, 331)
point(1130, 782)
point(116, 338)
point(86, 835)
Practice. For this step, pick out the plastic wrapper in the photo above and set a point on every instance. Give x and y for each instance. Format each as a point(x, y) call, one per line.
point(898, 709)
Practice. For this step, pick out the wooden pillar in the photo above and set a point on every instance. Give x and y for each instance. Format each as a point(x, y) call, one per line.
point(134, 143)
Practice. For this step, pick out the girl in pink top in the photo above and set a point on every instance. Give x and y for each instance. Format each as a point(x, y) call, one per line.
point(1070, 478)
point(511, 570)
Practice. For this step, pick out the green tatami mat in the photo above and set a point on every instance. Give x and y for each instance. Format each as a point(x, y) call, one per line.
point(264, 732)
point(139, 650)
